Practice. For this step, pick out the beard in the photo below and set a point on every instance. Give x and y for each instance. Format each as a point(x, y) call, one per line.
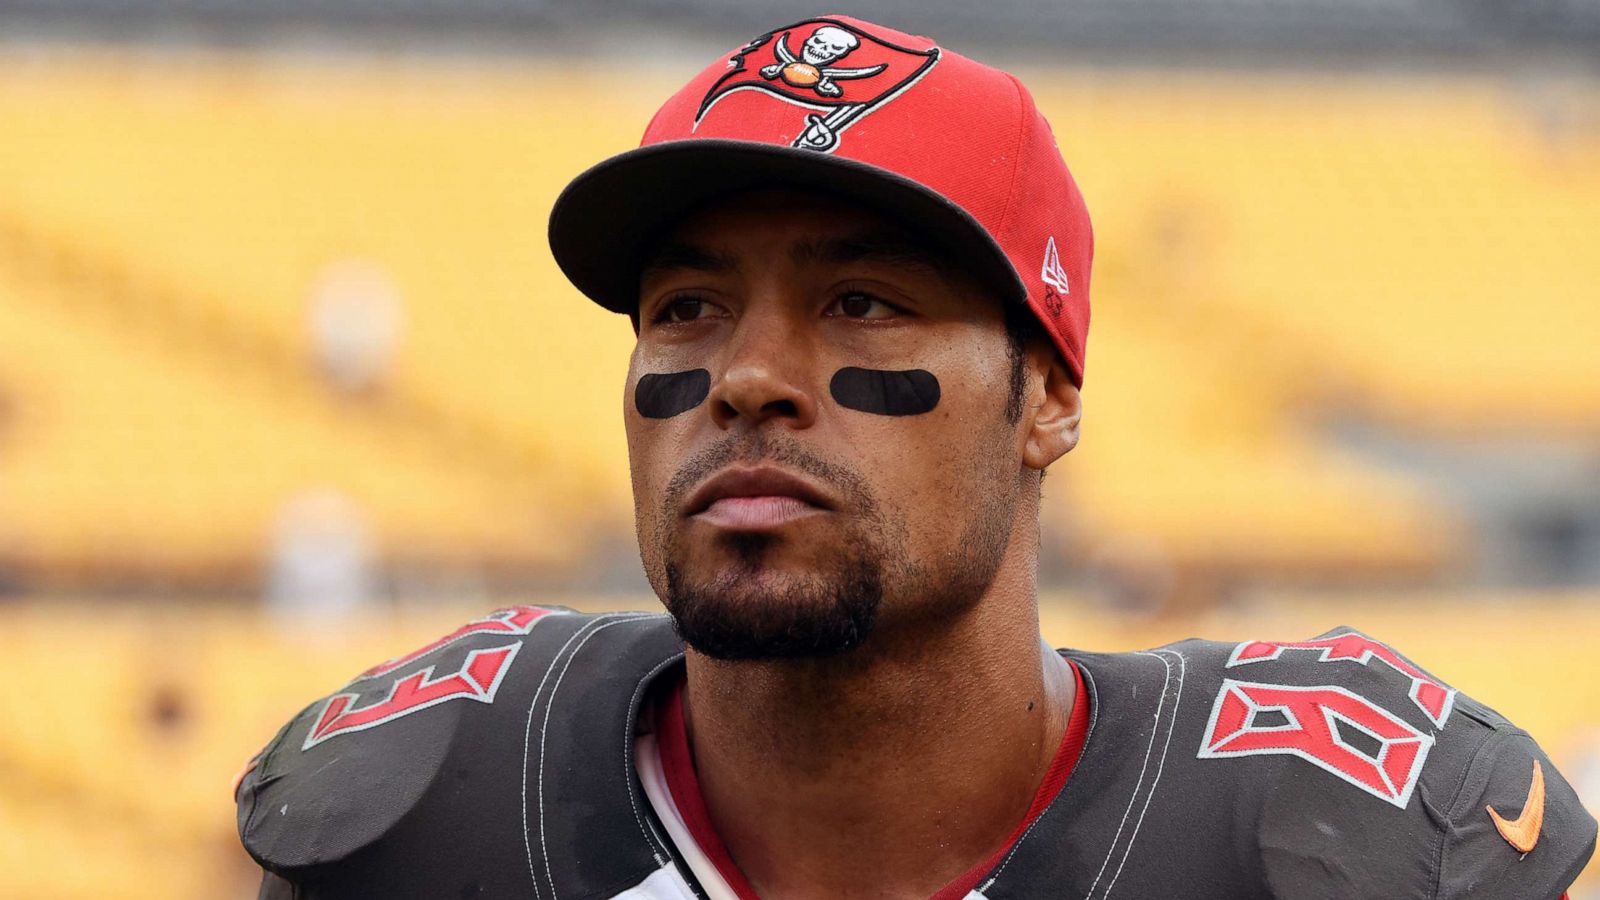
point(734, 616)
point(746, 611)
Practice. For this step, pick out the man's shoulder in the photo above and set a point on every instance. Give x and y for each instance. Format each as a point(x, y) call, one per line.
point(439, 740)
point(1313, 755)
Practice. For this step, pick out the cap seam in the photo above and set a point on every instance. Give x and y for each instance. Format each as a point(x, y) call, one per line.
point(1016, 166)
point(1063, 344)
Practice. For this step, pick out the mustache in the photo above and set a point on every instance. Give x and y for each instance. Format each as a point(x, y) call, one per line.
point(762, 446)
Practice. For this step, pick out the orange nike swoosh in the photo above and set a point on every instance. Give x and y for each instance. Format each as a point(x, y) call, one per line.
point(1523, 831)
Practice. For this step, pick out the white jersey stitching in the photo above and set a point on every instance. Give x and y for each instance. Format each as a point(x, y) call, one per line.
point(544, 727)
point(527, 738)
point(1176, 702)
point(627, 772)
point(1139, 784)
point(1094, 716)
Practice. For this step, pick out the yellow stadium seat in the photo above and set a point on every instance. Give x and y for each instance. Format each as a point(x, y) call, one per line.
point(1273, 252)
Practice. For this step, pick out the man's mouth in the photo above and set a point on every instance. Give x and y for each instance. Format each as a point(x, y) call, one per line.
point(756, 498)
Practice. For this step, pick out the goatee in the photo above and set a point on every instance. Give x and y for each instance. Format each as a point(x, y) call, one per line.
point(735, 617)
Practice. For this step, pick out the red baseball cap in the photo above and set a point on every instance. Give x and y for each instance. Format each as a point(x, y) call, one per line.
point(951, 148)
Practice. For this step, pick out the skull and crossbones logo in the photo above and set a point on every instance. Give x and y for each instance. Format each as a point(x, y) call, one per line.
point(813, 67)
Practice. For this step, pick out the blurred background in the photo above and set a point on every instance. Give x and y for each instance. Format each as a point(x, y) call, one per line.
point(289, 383)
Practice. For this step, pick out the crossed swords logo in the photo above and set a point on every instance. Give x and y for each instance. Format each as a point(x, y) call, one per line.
point(813, 72)
point(811, 69)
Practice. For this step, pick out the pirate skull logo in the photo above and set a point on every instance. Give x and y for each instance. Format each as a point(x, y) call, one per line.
point(809, 75)
point(827, 44)
point(813, 67)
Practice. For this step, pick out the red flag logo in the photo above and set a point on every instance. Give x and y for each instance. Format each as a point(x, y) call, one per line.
point(831, 67)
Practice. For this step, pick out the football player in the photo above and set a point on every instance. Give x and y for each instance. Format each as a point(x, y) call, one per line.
point(861, 316)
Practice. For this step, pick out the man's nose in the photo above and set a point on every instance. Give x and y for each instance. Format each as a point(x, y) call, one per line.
point(765, 375)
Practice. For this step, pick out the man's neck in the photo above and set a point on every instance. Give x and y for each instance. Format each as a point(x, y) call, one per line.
point(887, 771)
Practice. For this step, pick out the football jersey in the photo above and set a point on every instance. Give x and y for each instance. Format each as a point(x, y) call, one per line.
point(501, 761)
point(665, 764)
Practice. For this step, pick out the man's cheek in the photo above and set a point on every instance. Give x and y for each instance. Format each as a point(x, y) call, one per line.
point(908, 392)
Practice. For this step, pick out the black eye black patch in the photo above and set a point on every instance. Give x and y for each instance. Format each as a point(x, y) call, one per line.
point(908, 393)
point(664, 396)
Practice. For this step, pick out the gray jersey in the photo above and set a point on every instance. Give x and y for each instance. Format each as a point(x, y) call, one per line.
point(498, 762)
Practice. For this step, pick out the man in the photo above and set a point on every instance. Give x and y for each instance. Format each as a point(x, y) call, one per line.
point(858, 270)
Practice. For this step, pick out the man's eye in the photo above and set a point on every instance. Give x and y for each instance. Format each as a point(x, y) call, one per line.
point(861, 305)
point(684, 309)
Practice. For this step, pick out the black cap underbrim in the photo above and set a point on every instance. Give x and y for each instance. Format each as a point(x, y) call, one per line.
point(607, 219)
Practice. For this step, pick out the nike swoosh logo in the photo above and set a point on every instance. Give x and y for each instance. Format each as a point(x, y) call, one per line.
point(1523, 831)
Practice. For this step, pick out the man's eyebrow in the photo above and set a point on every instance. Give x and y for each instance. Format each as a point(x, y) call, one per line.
point(676, 257)
point(887, 247)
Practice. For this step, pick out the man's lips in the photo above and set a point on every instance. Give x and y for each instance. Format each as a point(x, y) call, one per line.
point(755, 498)
point(756, 513)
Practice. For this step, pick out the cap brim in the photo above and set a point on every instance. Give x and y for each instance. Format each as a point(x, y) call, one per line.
point(606, 220)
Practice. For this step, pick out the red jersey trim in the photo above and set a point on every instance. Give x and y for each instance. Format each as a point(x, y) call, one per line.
point(1055, 778)
point(677, 765)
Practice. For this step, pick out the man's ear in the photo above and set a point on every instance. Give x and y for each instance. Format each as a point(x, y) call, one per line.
point(1055, 408)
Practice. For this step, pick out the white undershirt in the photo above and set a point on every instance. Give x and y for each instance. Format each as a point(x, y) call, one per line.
point(652, 774)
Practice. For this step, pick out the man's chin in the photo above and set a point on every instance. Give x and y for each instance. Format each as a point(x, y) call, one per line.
point(762, 612)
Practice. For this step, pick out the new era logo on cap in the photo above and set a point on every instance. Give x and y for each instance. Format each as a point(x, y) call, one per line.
point(1054, 276)
point(1053, 273)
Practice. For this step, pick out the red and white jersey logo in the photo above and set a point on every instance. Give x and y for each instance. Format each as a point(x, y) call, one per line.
point(478, 677)
point(1430, 695)
point(1326, 725)
point(826, 65)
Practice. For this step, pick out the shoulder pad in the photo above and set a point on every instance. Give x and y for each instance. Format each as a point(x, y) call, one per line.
point(1338, 721)
point(1343, 658)
point(423, 755)
point(1515, 828)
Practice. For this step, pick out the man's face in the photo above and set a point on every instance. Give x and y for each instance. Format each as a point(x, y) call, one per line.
point(784, 509)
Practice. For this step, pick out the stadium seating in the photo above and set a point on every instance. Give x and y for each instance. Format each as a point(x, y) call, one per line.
point(1425, 239)
point(114, 771)
point(1274, 253)
point(207, 225)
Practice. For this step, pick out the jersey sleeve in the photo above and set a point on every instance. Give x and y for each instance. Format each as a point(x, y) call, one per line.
point(353, 770)
point(1361, 774)
point(1516, 829)
point(438, 773)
